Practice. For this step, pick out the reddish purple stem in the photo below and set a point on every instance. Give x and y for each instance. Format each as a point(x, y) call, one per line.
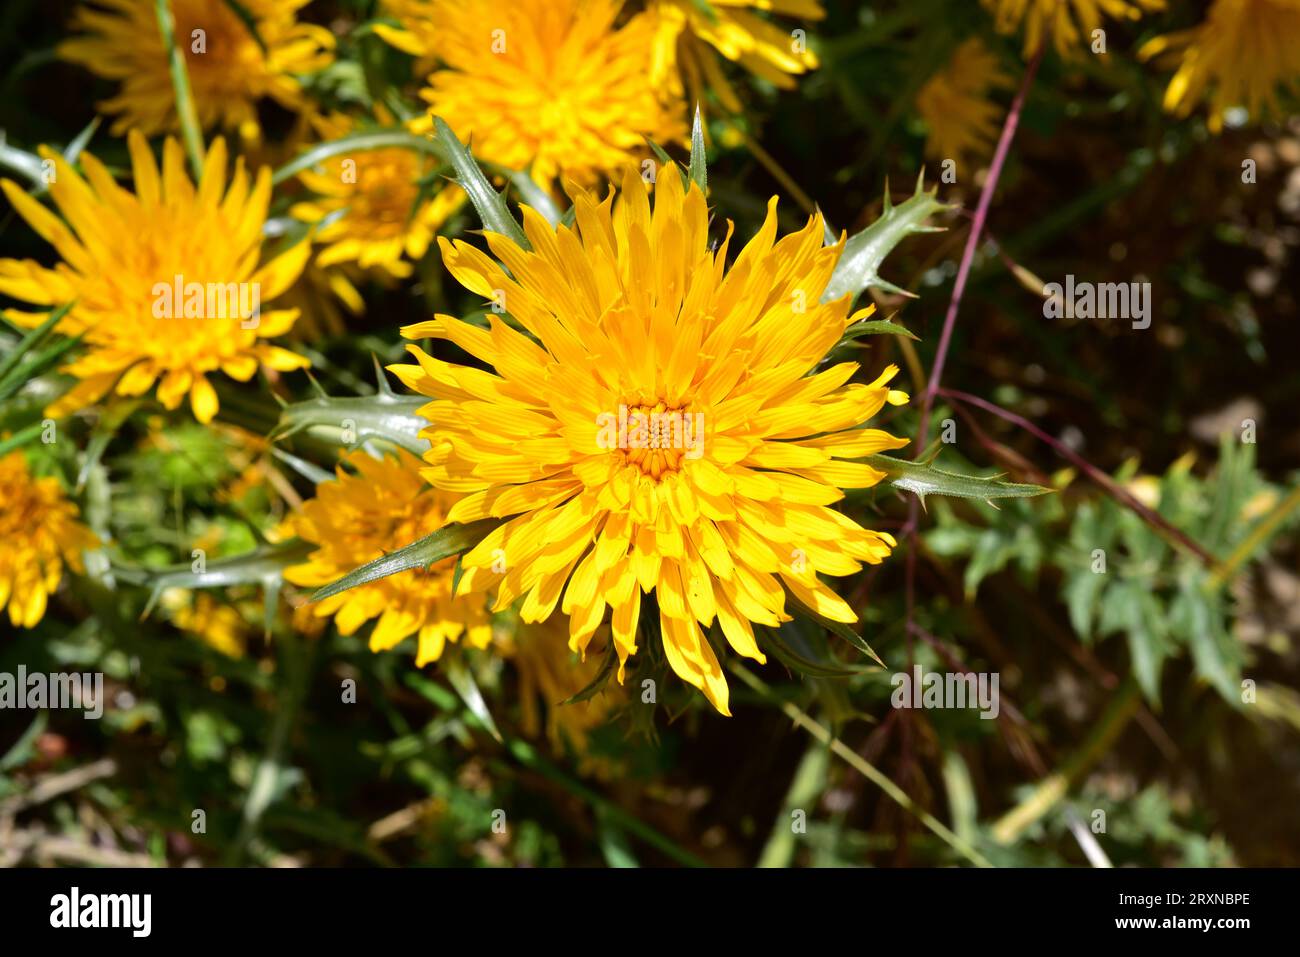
point(972, 243)
point(1108, 484)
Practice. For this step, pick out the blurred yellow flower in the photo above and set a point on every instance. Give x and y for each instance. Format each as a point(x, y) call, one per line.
point(1241, 55)
point(550, 84)
point(358, 518)
point(419, 30)
point(665, 429)
point(956, 106)
point(229, 70)
point(377, 213)
point(39, 534)
point(1070, 22)
point(688, 32)
point(216, 624)
point(550, 674)
point(165, 280)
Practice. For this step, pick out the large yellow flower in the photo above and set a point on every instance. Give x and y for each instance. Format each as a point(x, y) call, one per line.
point(1242, 55)
point(1070, 22)
point(641, 329)
point(689, 32)
point(39, 534)
point(165, 280)
point(955, 104)
point(229, 70)
point(374, 202)
point(356, 519)
point(549, 83)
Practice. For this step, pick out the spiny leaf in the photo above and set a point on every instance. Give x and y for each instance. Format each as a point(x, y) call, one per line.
point(23, 162)
point(531, 193)
point(356, 143)
point(859, 266)
point(384, 417)
point(492, 209)
point(875, 327)
point(262, 566)
point(81, 140)
point(666, 162)
point(699, 158)
point(787, 647)
point(445, 542)
point(839, 628)
point(923, 480)
point(309, 470)
point(602, 677)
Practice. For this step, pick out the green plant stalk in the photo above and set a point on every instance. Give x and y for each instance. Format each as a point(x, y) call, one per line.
point(297, 665)
point(862, 766)
point(809, 779)
point(185, 112)
point(1052, 789)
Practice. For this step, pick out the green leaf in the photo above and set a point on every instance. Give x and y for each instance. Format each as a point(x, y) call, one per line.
point(445, 542)
point(666, 162)
point(1146, 639)
point(790, 648)
point(923, 480)
point(30, 341)
point(263, 566)
point(529, 192)
point(699, 158)
point(81, 140)
point(462, 679)
point(1195, 616)
point(838, 628)
point(21, 751)
point(492, 209)
point(990, 554)
point(384, 417)
point(875, 327)
point(613, 842)
point(20, 438)
point(602, 677)
point(859, 266)
point(1081, 594)
point(357, 143)
point(36, 365)
point(22, 162)
point(309, 470)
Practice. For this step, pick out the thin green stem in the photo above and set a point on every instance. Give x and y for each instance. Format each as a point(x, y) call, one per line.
point(862, 766)
point(1258, 535)
point(1051, 790)
point(189, 121)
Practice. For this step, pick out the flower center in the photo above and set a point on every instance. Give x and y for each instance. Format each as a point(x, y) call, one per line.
point(386, 189)
point(657, 438)
point(219, 51)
